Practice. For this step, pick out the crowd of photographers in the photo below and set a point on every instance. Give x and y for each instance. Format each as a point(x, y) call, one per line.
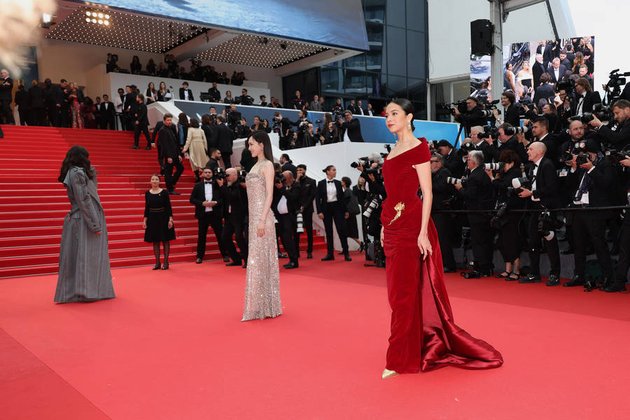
point(535, 175)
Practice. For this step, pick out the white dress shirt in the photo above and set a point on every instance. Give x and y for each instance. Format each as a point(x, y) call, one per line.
point(331, 192)
point(535, 174)
point(208, 191)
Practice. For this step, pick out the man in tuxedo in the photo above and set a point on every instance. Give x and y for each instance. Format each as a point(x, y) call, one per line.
point(585, 98)
point(308, 188)
point(225, 138)
point(235, 218)
point(245, 99)
point(544, 194)
point(540, 131)
point(477, 195)
point(53, 98)
point(618, 132)
point(6, 88)
point(593, 179)
point(286, 204)
point(141, 122)
point(556, 71)
point(37, 102)
point(263, 101)
point(215, 160)
point(351, 128)
point(130, 106)
point(511, 114)
point(286, 164)
point(169, 154)
point(108, 114)
point(215, 94)
point(452, 161)
point(207, 196)
point(185, 94)
point(443, 197)
point(331, 206)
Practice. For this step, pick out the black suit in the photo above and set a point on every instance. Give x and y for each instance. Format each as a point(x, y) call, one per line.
point(6, 114)
point(215, 95)
point(225, 138)
point(454, 163)
point(38, 105)
point(477, 194)
point(308, 188)
point(561, 72)
point(353, 128)
point(141, 123)
point(332, 211)
point(212, 136)
point(168, 148)
point(547, 191)
point(289, 166)
point(537, 70)
point(551, 142)
point(208, 218)
point(589, 227)
point(54, 101)
point(544, 91)
point(512, 116)
point(287, 222)
point(443, 195)
point(182, 96)
point(235, 222)
point(129, 109)
point(108, 115)
point(619, 137)
point(590, 99)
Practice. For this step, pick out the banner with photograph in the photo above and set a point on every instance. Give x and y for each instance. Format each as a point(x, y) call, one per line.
point(525, 63)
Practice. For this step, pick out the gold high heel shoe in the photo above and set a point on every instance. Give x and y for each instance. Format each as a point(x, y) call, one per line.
point(388, 373)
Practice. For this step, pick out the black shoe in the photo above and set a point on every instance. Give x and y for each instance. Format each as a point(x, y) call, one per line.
point(589, 286)
point(612, 288)
point(309, 256)
point(147, 148)
point(157, 266)
point(198, 261)
point(134, 147)
point(575, 281)
point(226, 259)
point(291, 265)
point(530, 278)
point(233, 264)
point(361, 246)
point(473, 274)
point(449, 270)
point(328, 258)
point(347, 257)
point(173, 193)
point(340, 253)
point(282, 255)
point(165, 266)
point(553, 280)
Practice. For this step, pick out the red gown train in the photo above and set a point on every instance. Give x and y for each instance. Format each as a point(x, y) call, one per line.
point(423, 333)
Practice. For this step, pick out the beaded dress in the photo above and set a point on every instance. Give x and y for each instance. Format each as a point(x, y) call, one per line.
point(262, 291)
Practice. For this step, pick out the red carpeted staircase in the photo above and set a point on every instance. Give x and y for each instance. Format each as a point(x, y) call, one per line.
point(33, 203)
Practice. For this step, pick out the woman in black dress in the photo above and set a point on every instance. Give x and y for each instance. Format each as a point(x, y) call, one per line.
point(158, 221)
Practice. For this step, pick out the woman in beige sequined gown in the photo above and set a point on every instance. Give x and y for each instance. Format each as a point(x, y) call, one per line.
point(262, 291)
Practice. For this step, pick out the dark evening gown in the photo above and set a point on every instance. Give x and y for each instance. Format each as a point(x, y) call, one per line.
point(157, 210)
point(423, 332)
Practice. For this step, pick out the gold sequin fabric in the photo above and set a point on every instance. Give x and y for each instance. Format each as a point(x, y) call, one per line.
point(262, 291)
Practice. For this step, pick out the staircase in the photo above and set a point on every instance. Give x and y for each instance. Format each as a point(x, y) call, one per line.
point(33, 203)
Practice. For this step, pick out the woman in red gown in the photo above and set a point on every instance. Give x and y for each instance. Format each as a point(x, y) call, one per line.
point(423, 333)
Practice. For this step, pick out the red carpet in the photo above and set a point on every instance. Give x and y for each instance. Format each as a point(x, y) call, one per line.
point(33, 203)
point(172, 346)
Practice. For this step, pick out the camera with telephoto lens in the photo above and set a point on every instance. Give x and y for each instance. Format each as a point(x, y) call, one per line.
point(219, 173)
point(465, 148)
point(489, 132)
point(362, 161)
point(498, 220)
point(300, 222)
point(518, 184)
point(497, 166)
point(241, 174)
point(616, 156)
point(455, 181)
point(371, 207)
point(511, 131)
point(547, 224)
point(460, 105)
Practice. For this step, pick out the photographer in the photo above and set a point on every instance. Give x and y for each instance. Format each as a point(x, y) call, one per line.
point(370, 172)
point(286, 204)
point(482, 142)
point(473, 115)
point(477, 194)
point(544, 194)
point(616, 134)
point(506, 221)
point(281, 126)
point(351, 128)
point(506, 140)
point(618, 283)
point(510, 110)
point(593, 175)
point(244, 99)
point(235, 206)
point(452, 160)
point(443, 198)
point(540, 131)
point(585, 97)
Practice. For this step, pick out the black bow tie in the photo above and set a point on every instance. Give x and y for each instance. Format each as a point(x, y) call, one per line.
point(207, 182)
point(331, 182)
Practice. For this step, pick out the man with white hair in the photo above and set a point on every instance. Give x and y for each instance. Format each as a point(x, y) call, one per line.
point(544, 194)
point(6, 88)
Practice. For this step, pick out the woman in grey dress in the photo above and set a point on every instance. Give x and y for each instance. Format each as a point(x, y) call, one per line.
point(262, 291)
point(84, 273)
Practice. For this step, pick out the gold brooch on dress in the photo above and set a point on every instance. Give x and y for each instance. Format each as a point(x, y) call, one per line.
point(400, 207)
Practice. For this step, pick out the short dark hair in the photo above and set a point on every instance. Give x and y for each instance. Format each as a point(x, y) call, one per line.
point(509, 156)
point(167, 115)
point(301, 166)
point(545, 78)
point(543, 122)
point(194, 123)
point(622, 104)
point(185, 84)
point(510, 95)
point(346, 181)
point(505, 126)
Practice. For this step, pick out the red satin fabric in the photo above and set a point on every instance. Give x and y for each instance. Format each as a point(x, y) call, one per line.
point(423, 333)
